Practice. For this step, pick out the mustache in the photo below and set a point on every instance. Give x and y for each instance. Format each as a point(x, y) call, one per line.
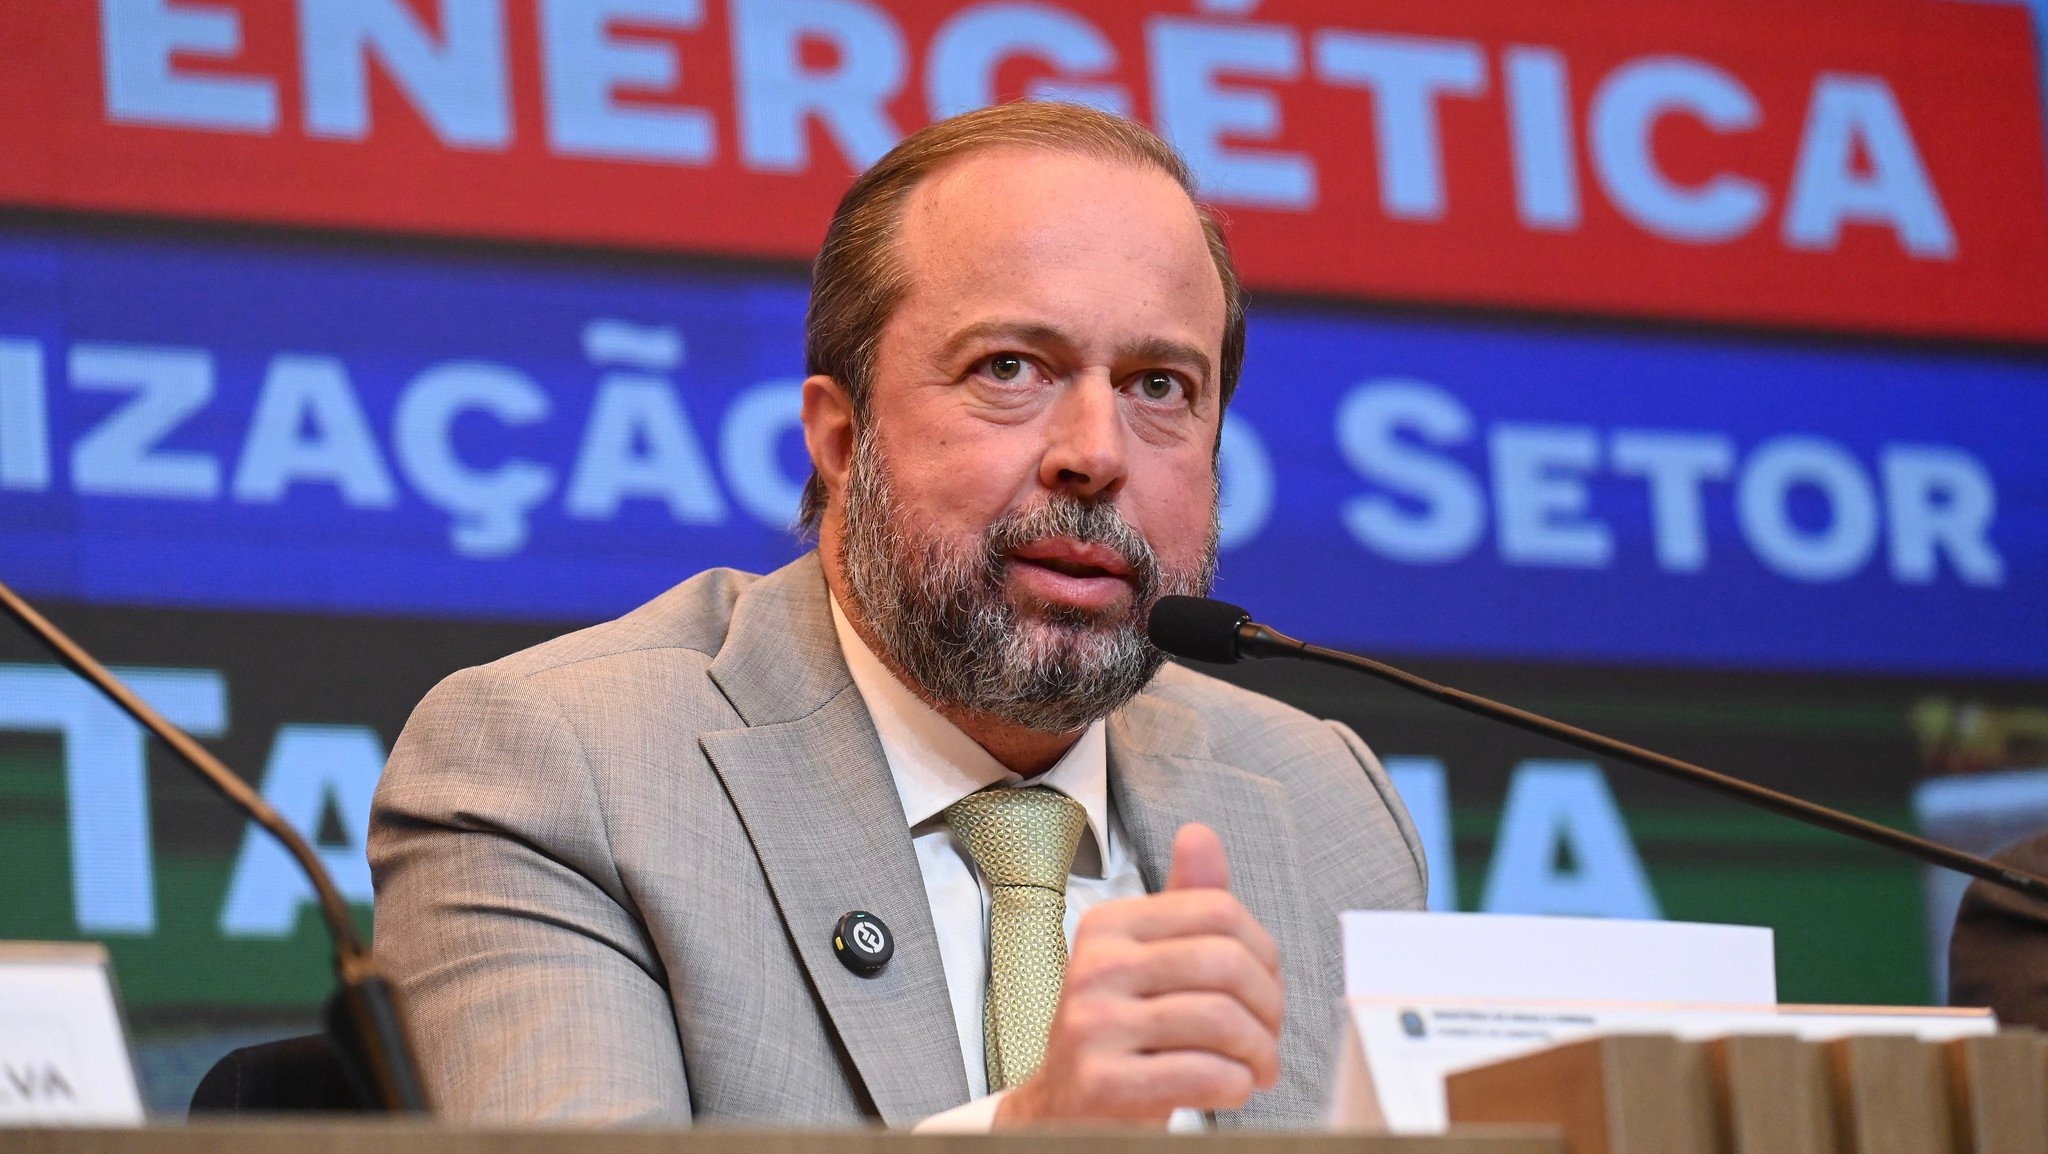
point(1088, 522)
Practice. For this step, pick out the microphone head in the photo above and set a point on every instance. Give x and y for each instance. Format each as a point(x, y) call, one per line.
point(1197, 628)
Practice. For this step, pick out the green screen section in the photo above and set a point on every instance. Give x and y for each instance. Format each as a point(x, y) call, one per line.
point(187, 964)
point(1849, 919)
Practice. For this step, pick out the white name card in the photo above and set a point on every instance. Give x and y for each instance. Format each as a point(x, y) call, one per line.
point(1398, 954)
point(1397, 1053)
point(63, 1049)
point(1392, 1058)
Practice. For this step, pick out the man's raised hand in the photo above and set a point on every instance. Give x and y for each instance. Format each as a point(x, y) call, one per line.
point(1170, 1000)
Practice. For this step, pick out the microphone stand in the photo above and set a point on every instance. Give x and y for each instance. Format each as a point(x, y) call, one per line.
point(1259, 641)
point(364, 1016)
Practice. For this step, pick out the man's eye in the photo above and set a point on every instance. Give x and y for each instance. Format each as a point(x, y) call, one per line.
point(1158, 386)
point(1005, 367)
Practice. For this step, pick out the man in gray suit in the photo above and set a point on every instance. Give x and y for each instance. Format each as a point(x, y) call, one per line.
point(614, 871)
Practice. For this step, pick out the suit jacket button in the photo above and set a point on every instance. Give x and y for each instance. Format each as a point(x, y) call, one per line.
point(863, 943)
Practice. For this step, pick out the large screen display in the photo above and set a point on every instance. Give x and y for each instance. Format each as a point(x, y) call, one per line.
point(1676, 369)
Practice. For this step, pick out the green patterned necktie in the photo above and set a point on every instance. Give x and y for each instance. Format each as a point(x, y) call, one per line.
point(1023, 841)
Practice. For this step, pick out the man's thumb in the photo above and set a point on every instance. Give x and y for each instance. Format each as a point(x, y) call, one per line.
point(1198, 861)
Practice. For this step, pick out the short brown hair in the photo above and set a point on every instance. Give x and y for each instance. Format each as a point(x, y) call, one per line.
point(858, 279)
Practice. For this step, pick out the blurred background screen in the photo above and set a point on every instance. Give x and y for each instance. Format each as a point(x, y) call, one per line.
point(1677, 367)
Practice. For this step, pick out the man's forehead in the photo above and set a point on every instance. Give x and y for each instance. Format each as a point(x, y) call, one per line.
point(1025, 224)
point(1027, 187)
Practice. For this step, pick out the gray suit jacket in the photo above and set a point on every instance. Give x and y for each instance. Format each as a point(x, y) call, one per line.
point(608, 869)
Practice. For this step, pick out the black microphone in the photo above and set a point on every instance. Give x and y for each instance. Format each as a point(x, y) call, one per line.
point(1202, 629)
point(365, 1015)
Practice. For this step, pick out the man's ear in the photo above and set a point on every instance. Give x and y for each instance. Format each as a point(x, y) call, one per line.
point(828, 430)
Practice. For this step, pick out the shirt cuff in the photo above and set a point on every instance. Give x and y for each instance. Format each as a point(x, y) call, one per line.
point(976, 1117)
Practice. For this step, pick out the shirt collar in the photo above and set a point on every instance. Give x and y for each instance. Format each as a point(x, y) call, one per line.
point(934, 763)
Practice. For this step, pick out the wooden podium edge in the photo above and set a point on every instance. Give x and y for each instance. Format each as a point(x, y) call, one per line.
point(1999, 1087)
point(336, 1135)
point(1618, 1094)
point(1752, 1094)
point(1775, 1093)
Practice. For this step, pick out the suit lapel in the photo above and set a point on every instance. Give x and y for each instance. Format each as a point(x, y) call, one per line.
point(809, 781)
point(1162, 778)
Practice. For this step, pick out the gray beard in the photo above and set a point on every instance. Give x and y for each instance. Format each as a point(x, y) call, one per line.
point(941, 612)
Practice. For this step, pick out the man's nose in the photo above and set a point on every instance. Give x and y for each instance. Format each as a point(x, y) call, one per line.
point(1085, 452)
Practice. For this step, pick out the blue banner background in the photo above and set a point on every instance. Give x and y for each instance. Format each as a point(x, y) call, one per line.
point(523, 327)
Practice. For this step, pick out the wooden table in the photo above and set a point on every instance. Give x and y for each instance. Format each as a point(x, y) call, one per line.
point(355, 1136)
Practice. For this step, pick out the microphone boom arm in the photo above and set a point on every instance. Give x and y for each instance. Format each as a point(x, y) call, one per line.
point(365, 1013)
point(1259, 641)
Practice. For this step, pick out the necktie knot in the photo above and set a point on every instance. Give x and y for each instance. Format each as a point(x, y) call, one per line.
point(1020, 837)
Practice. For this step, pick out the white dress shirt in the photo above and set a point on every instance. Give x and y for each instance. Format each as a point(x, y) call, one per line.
point(935, 764)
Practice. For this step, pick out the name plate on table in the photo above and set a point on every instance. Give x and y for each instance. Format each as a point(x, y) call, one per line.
point(1404, 954)
point(1391, 1070)
point(1397, 1052)
point(63, 1048)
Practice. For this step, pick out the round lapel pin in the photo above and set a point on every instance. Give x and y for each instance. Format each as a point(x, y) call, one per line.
point(863, 943)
